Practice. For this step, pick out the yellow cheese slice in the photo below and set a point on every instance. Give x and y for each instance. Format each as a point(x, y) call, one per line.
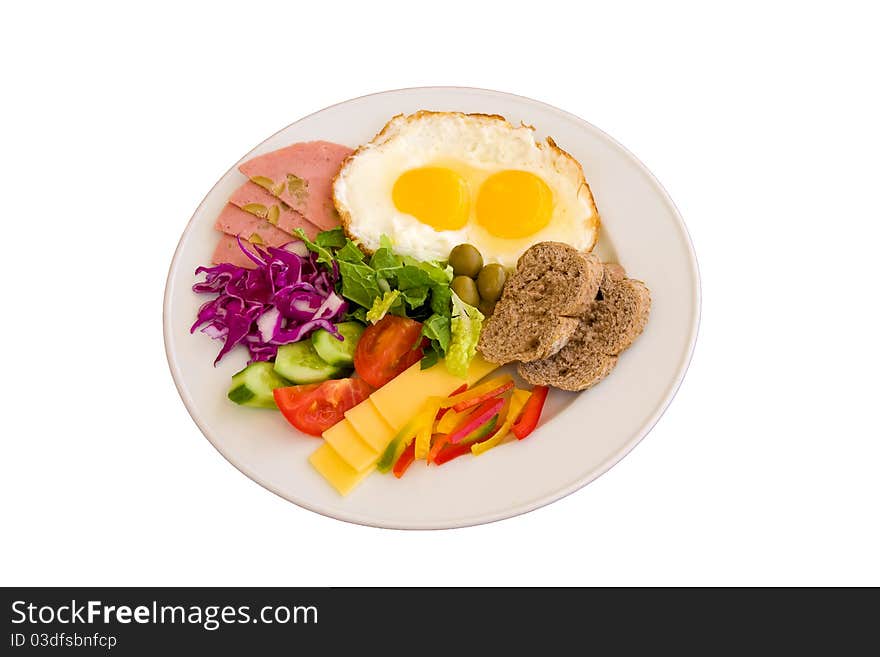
point(370, 426)
point(337, 472)
point(348, 445)
point(402, 397)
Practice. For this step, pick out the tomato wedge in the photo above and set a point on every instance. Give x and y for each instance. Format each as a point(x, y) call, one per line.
point(387, 348)
point(316, 407)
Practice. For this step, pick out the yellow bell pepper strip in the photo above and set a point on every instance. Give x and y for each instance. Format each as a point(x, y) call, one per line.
point(476, 391)
point(406, 459)
point(478, 418)
point(426, 424)
point(476, 401)
point(519, 399)
point(531, 413)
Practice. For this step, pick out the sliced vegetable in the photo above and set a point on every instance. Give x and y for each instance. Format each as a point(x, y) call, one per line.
point(404, 461)
point(383, 305)
point(451, 419)
point(300, 363)
point(426, 424)
point(479, 399)
point(479, 417)
point(253, 386)
point(460, 389)
point(440, 441)
point(334, 350)
point(285, 299)
point(384, 283)
point(450, 452)
point(477, 391)
point(419, 425)
point(466, 324)
point(316, 407)
point(388, 348)
point(531, 413)
point(480, 432)
point(396, 446)
point(517, 401)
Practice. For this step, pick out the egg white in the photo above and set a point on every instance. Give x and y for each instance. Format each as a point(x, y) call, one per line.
point(475, 146)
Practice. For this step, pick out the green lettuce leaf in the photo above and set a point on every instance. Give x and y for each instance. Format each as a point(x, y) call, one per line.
point(359, 283)
point(359, 314)
point(350, 252)
point(383, 305)
point(324, 254)
point(437, 328)
point(333, 238)
point(411, 276)
point(466, 324)
point(430, 357)
point(441, 300)
point(416, 296)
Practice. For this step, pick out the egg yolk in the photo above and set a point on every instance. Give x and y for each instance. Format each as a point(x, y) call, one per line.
point(514, 204)
point(436, 196)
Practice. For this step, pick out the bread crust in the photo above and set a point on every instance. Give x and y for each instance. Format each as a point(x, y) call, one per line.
point(606, 329)
point(539, 310)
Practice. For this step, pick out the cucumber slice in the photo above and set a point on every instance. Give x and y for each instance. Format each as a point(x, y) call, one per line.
point(338, 352)
point(300, 363)
point(253, 386)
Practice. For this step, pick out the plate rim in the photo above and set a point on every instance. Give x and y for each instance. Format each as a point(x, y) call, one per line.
point(532, 505)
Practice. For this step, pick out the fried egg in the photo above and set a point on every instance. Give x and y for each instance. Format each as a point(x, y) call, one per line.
point(433, 180)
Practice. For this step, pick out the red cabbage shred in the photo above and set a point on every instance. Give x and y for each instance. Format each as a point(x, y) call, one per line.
point(285, 299)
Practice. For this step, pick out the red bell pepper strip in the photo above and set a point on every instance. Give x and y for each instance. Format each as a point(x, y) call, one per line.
point(460, 389)
point(439, 443)
point(531, 413)
point(450, 452)
point(475, 401)
point(406, 459)
point(478, 418)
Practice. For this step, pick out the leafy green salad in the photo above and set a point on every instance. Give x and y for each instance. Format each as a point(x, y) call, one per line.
point(387, 283)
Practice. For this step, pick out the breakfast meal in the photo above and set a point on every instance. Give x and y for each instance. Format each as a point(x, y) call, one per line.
point(417, 297)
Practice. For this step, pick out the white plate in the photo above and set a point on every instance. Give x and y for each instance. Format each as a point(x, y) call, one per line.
point(581, 435)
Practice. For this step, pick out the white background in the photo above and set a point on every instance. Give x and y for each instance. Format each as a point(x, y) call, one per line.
point(760, 120)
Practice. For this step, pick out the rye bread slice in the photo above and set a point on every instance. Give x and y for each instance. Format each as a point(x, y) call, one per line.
point(553, 285)
point(608, 327)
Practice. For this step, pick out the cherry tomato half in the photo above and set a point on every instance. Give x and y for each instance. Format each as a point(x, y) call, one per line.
point(387, 348)
point(316, 407)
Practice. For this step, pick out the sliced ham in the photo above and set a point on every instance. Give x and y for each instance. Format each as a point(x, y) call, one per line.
point(301, 176)
point(228, 251)
point(252, 198)
point(235, 221)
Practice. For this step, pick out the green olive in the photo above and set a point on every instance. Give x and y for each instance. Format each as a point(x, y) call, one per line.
point(490, 282)
point(486, 307)
point(466, 290)
point(465, 261)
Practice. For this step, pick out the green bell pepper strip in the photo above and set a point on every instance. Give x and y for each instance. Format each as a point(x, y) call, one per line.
point(399, 443)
